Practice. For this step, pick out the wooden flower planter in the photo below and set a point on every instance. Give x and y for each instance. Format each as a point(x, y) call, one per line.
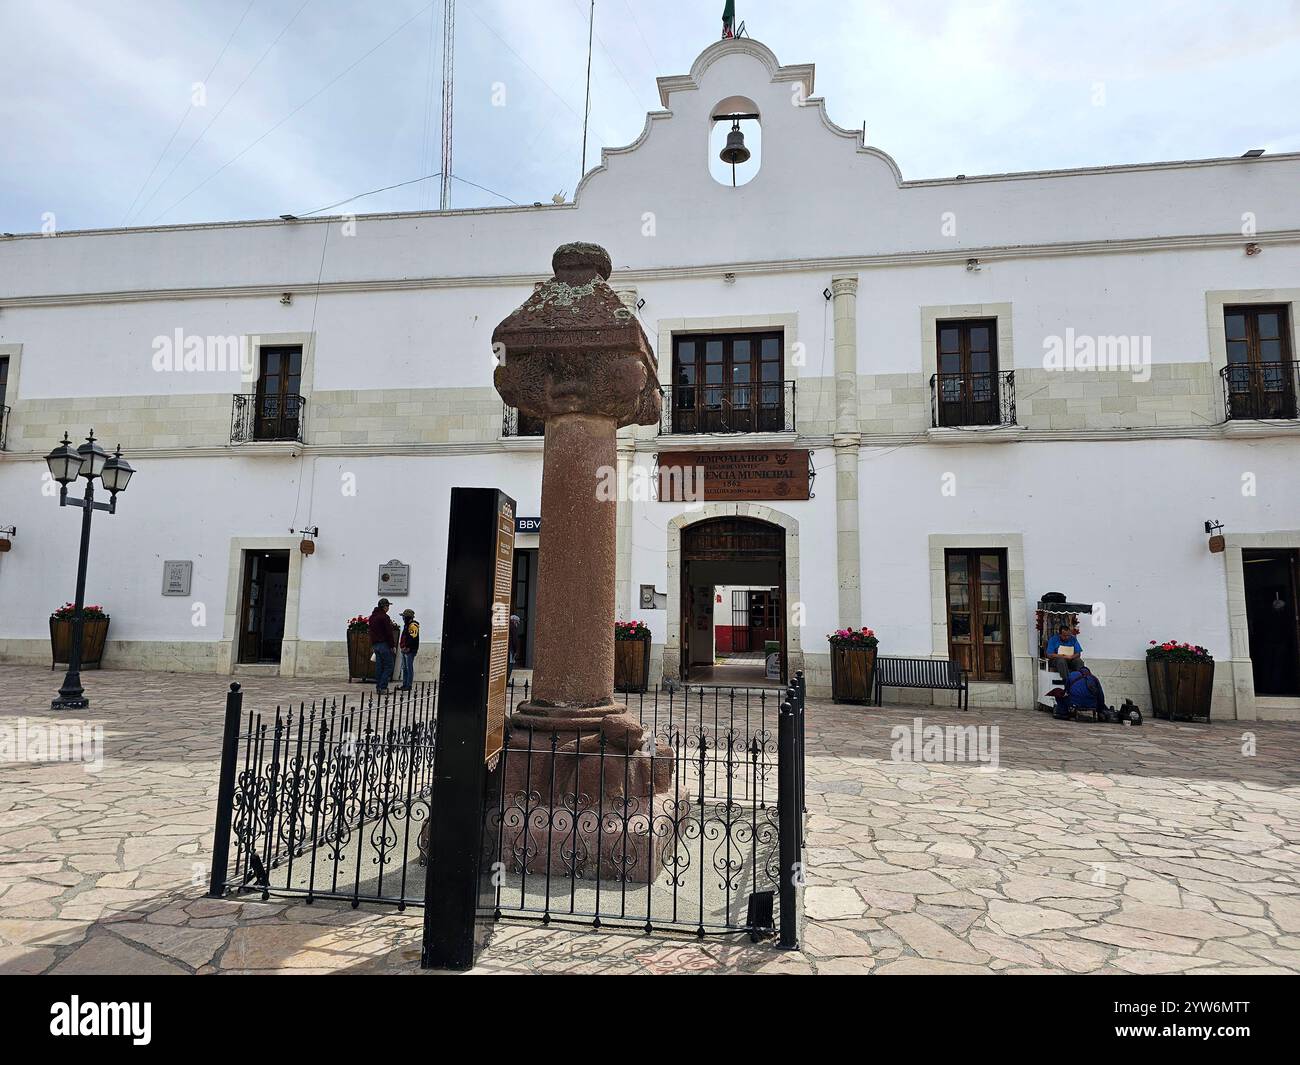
point(853, 673)
point(94, 634)
point(360, 665)
point(632, 665)
point(1180, 691)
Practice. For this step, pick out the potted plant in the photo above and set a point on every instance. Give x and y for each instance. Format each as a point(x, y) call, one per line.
point(360, 665)
point(94, 634)
point(631, 656)
point(853, 664)
point(1181, 676)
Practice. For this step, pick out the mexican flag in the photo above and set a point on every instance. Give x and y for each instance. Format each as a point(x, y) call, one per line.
point(729, 19)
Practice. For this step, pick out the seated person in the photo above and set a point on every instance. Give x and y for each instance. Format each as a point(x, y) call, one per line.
point(1063, 664)
point(1082, 691)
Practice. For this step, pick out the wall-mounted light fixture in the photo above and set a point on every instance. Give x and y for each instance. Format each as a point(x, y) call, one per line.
point(729, 278)
point(1213, 529)
point(286, 298)
point(826, 292)
point(308, 543)
point(972, 266)
point(7, 535)
point(640, 303)
point(1252, 248)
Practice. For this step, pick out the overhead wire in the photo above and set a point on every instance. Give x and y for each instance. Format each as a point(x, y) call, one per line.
point(176, 132)
point(229, 100)
point(339, 76)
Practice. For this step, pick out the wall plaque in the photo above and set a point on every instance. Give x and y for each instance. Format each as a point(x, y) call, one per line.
point(176, 577)
point(395, 578)
point(779, 474)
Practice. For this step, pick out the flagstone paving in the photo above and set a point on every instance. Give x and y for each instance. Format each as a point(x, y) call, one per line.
point(1089, 848)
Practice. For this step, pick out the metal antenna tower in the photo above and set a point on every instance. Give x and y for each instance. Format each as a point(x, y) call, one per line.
point(448, 68)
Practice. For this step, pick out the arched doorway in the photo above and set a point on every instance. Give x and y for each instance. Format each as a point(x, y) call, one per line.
point(732, 601)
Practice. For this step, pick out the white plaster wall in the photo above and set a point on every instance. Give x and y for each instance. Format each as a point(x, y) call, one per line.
point(191, 508)
point(1155, 294)
point(1138, 546)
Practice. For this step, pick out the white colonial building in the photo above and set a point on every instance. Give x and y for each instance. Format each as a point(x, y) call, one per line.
point(1005, 385)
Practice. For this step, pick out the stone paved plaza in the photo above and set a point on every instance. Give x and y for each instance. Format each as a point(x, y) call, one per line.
point(1090, 848)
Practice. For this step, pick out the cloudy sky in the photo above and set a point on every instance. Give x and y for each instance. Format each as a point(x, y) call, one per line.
point(302, 103)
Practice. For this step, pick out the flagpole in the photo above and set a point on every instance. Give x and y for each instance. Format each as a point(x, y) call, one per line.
point(586, 110)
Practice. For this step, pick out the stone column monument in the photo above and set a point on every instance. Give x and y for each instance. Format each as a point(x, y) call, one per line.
point(576, 356)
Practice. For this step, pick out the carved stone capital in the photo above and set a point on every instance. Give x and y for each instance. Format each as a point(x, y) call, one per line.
point(574, 347)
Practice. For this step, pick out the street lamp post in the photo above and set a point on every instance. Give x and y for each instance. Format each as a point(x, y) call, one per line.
point(91, 462)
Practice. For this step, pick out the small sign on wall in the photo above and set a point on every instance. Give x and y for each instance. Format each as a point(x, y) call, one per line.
point(395, 578)
point(176, 577)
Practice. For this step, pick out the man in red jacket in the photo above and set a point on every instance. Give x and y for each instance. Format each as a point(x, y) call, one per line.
point(384, 642)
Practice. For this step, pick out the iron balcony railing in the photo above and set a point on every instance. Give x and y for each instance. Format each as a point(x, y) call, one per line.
point(4, 427)
point(971, 399)
point(1257, 390)
point(515, 424)
point(267, 418)
point(762, 407)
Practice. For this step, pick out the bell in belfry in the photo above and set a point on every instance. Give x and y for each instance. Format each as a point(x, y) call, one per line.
point(735, 151)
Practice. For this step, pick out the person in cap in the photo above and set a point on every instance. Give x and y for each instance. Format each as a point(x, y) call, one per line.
point(408, 644)
point(383, 640)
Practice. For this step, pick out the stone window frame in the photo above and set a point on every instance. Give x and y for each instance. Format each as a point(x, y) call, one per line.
point(1243, 677)
point(1215, 302)
point(1023, 663)
point(14, 353)
point(228, 649)
point(931, 316)
point(669, 328)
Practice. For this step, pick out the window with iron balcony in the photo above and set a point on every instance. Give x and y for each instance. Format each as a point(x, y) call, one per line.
point(728, 383)
point(968, 389)
point(1261, 379)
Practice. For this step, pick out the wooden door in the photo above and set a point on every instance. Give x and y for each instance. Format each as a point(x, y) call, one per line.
point(978, 631)
point(966, 386)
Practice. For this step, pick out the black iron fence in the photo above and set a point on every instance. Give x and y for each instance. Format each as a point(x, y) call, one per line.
point(671, 822)
point(682, 815)
point(760, 407)
point(267, 417)
point(1255, 390)
point(326, 801)
point(973, 399)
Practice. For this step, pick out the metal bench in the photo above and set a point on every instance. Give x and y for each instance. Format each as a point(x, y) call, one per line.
point(935, 673)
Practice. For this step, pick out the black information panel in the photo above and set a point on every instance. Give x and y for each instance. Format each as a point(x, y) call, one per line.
point(459, 895)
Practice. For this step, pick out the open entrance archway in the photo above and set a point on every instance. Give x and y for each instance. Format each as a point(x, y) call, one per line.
point(733, 602)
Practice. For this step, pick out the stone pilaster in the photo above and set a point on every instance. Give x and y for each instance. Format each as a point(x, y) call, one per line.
point(847, 441)
point(624, 601)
